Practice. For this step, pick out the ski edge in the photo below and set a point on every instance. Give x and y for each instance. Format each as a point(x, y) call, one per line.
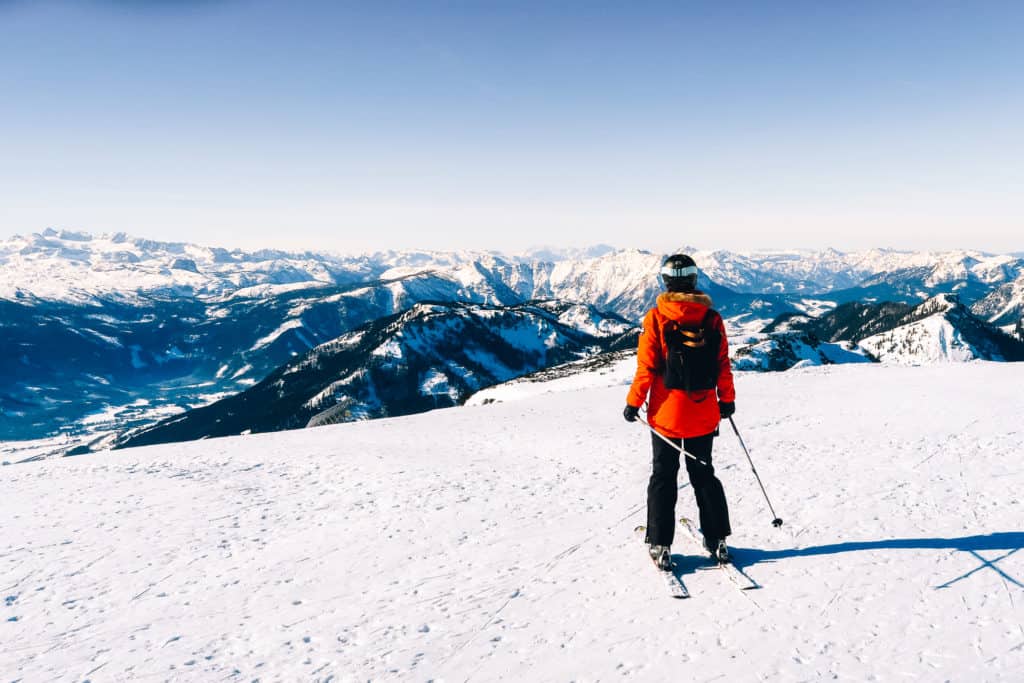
point(673, 583)
point(739, 578)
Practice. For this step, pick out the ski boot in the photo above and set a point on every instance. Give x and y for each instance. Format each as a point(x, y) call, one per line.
point(662, 556)
point(718, 550)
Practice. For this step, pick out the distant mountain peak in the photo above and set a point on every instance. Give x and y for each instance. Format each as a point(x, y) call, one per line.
point(939, 304)
point(942, 329)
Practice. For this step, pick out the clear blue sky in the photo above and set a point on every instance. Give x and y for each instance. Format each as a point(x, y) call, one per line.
point(367, 125)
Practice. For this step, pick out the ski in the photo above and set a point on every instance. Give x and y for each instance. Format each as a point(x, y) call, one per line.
point(675, 586)
point(737, 576)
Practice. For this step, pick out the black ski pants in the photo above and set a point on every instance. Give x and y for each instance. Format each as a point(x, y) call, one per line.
point(662, 490)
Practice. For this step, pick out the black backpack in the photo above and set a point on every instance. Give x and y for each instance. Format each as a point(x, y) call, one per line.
point(691, 354)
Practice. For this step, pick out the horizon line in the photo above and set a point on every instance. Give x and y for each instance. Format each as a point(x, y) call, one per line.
point(87, 235)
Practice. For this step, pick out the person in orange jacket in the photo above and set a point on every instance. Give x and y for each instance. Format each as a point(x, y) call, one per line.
point(684, 376)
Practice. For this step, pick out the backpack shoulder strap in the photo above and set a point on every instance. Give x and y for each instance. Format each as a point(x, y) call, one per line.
point(709, 317)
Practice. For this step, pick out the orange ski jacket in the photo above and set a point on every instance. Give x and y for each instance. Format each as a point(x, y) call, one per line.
point(673, 412)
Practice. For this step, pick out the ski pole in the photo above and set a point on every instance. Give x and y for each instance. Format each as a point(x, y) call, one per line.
point(681, 450)
point(777, 522)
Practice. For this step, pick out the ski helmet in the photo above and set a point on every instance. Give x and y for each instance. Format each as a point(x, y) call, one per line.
point(679, 273)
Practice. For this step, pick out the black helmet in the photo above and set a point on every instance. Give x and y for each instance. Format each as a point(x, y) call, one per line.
point(679, 273)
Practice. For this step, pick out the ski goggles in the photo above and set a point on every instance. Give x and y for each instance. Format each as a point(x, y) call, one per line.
point(679, 272)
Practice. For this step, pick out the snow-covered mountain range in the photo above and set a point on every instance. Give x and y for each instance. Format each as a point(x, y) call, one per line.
point(74, 266)
point(940, 329)
point(108, 332)
point(430, 356)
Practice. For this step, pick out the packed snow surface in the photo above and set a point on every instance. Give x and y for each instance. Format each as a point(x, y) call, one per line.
point(620, 372)
point(496, 543)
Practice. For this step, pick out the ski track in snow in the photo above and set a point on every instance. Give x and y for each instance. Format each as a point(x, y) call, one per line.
point(495, 543)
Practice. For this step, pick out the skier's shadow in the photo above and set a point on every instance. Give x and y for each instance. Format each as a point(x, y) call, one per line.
point(1008, 541)
point(688, 565)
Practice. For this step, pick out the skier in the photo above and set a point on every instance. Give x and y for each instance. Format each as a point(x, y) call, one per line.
point(682, 362)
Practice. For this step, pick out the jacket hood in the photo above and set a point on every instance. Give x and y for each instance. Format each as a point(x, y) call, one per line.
point(680, 305)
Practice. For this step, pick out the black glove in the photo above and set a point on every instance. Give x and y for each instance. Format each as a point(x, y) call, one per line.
point(726, 409)
point(630, 413)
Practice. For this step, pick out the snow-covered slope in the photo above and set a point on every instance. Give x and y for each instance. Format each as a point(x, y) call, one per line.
point(496, 543)
point(607, 369)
